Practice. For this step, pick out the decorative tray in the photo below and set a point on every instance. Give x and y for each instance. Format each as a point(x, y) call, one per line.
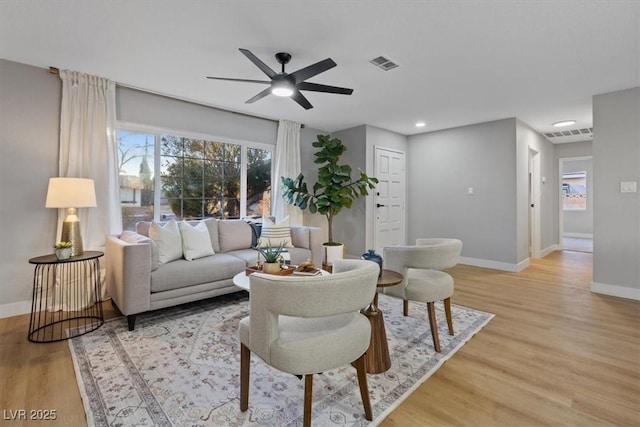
point(283, 272)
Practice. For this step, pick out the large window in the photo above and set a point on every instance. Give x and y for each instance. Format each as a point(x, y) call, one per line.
point(198, 178)
point(137, 185)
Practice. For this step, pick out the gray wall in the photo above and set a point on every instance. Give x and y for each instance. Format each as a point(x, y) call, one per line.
point(309, 170)
point(349, 225)
point(29, 134)
point(442, 166)
point(574, 149)
point(134, 106)
point(616, 158)
point(574, 222)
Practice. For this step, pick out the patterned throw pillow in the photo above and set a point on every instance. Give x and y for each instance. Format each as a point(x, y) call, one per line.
point(275, 234)
point(168, 239)
point(196, 242)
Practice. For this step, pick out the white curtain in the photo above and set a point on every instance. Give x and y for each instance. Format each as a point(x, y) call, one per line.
point(287, 164)
point(89, 149)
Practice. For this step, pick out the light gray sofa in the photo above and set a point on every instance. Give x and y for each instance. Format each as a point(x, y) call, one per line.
point(137, 281)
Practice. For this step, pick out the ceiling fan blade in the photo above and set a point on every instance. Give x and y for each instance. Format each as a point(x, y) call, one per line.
point(315, 87)
point(264, 67)
point(300, 99)
point(259, 96)
point(239, 80)
point(312, 70)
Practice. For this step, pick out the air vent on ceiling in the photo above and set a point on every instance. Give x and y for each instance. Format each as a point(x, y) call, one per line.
point(385, 64)
point(572, 132)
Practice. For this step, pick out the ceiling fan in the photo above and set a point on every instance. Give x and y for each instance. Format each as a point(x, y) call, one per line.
point(290, 84)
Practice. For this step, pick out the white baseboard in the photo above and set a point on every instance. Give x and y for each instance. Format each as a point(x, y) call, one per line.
point(616, 291)
point(496, 265)
point(579, 235)
point(547, 251)
point(15, 309)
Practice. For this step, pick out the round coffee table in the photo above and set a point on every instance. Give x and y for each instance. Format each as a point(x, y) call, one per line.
point(241, 279)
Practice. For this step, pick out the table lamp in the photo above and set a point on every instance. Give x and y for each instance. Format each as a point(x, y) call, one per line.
point(71, 193)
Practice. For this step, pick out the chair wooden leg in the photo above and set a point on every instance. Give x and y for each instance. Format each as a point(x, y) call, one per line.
point(361, 367)
point(447, 312)
point(433, 323)
point(308, 397)
point(245, 362)
point(405, 307)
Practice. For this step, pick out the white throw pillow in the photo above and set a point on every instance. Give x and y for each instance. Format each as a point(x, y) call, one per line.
point(275, 234)
point(196, 241)
point(168, 239)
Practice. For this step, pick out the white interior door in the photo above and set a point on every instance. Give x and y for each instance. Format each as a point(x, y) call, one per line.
point(534, 204)
point(389, 198)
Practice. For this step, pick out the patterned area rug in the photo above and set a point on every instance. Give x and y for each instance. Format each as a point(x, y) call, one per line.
point(180, 367)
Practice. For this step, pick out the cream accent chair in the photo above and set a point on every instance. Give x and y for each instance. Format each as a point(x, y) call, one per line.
point(423, 282)
point(304, 325)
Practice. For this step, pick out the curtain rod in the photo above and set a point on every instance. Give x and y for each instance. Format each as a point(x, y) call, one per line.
point(54, 70)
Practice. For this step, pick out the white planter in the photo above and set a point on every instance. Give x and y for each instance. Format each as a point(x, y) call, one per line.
point(332, 253)
point(63, 253)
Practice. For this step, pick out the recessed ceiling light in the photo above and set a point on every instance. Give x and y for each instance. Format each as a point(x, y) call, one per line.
point(564, 123)
point(420, 124)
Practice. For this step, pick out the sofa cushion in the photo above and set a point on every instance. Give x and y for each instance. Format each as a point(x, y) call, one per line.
point(168, 239)
point(300, 237)
point(182, 273)
point(275, 234)
point(248, 256)
point(212, 225)
point(133, 237)
point(142, 227)
point(234, 235)
point(196, 242)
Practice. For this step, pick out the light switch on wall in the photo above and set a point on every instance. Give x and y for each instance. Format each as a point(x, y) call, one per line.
point(628, 186)
point(470, 191)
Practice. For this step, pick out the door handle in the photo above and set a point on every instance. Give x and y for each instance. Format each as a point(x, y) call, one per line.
point(378, 205)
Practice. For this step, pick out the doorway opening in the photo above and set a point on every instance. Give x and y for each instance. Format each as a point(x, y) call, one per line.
point(576, 204)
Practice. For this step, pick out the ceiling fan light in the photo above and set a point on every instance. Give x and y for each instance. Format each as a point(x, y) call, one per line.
point(281, 89)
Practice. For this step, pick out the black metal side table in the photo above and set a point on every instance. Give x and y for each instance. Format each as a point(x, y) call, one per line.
point(66, 297)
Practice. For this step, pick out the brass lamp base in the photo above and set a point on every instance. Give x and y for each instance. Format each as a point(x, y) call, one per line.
point(71, 233)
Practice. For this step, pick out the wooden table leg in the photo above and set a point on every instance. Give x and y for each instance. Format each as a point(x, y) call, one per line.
point(377, 356)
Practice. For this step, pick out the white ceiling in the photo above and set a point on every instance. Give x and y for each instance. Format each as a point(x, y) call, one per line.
point(461, 62)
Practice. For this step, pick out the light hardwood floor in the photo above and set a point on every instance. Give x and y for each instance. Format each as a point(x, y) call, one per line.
point(555, 354)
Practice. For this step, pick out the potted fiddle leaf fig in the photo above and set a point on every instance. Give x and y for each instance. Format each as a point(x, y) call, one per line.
point(334, 188)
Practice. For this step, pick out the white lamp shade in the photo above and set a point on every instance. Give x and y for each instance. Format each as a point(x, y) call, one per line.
point(71, 193)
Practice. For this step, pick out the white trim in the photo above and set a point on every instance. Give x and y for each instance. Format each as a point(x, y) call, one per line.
point(534, 199)
point(579, 235)
point(561, 161)
point(15, 309)
point(616, 291)
point(548, 250)
point(496, 265)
